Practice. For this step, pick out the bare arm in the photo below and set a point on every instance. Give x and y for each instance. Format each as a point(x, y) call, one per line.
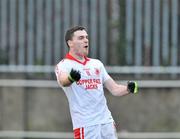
point(66, 79)
point(116, 89)
point(63, 79)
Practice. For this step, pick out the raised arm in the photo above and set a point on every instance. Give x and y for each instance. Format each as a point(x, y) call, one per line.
point(120, 90)
point(114, 88)
point(66, 79)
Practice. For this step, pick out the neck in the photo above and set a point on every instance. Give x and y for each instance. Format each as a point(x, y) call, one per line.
point(77, 56)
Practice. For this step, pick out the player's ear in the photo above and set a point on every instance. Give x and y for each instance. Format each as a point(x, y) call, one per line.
point(69, 42)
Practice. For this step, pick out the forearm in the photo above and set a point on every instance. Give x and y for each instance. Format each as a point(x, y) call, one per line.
point(119, 90)
point(116, 89)
point(66, 79)
point(63, 80)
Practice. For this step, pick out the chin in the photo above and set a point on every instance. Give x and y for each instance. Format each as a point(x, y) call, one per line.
point(86, 54)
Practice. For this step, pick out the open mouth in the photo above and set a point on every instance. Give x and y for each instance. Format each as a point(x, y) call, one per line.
point(86, 46)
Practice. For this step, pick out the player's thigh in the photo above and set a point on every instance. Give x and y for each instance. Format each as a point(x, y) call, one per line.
point(108, 131)
point(102, 131)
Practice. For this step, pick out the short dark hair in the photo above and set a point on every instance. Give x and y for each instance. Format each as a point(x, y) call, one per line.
point(70, 32)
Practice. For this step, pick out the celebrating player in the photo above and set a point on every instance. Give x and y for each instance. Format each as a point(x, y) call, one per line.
point(82, 80)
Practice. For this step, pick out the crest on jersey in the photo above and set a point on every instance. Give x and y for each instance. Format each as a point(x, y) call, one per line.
point(97, 71)
point(87, 72)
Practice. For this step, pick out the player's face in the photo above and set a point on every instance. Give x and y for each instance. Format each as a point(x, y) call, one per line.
point(80, 43)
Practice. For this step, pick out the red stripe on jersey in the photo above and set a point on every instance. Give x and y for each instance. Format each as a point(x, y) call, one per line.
point(82, 133)
point(68, 56)
point(79, 133)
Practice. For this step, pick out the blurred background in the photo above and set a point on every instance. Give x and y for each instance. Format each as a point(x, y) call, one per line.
point(135, 39)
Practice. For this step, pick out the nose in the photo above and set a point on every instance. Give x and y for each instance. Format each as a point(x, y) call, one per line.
point(86, 40)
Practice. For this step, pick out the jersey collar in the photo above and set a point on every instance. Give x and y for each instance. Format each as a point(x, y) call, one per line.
point(68, 56)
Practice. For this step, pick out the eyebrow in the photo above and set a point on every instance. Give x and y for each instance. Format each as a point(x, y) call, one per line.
point(83, 36)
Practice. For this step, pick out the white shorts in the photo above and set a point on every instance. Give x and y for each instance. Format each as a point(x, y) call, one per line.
point(101, 131)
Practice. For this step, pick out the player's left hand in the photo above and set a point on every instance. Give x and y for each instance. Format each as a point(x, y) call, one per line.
point(132, 87)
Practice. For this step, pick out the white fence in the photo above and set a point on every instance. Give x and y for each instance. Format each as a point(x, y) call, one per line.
point(155, 70)
point(110, 69)
point(69, 135)
point(54, 84)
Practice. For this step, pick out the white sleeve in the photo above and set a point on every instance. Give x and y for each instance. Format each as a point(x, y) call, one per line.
point(105, 75)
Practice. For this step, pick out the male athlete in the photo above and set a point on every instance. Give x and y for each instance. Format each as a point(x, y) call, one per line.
point(82, 80)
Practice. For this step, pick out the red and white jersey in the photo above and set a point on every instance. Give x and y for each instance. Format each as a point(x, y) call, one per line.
point(86, 98)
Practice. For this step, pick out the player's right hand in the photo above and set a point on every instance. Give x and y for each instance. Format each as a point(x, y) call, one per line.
point(74, 75)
